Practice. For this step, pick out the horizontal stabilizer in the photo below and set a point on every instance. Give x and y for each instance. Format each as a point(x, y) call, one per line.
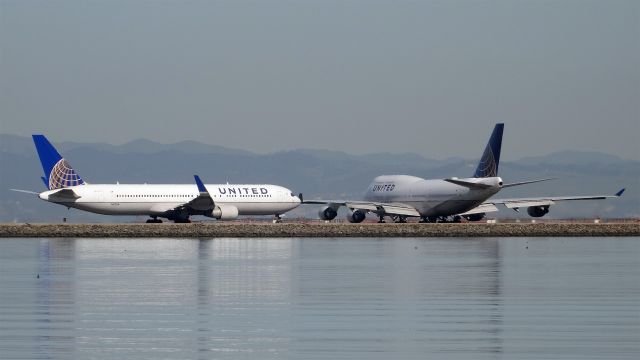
point(25, 191)
point(468, 184)
point(526, 182)
point(64, 194)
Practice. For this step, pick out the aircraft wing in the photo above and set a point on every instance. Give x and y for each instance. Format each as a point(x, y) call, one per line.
point(203, 201)
point(545, 201)
point(379, 208)
point(482, 208)
point(517, 203)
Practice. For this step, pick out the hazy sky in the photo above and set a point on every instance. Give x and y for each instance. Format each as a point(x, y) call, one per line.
point(430, 77)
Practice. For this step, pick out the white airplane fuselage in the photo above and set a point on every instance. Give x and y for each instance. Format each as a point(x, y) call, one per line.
point(156, 200)
point(432, 197)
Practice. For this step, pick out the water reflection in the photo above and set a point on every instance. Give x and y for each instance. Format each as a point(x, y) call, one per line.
point(203, 299)
point(383, 297)
point(242, 295)
point(54, 300)
point(319, 298)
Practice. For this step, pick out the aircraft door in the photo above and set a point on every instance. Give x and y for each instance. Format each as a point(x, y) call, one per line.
point(99, 195)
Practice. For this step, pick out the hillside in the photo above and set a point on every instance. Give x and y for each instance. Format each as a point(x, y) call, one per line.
point(316, 173)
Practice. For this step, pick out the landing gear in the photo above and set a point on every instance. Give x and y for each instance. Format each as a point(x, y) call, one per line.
point(441, 219)
point(179, 216)
point(154, 220)
point(277, 219)
point(400, 219)
point(381, 221)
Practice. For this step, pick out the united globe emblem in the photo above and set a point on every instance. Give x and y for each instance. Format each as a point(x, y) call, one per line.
point(62, 175)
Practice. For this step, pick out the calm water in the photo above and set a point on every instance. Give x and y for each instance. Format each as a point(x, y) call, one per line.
point(560, 298)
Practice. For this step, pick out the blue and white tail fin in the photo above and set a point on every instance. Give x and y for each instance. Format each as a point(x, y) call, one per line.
point(488, 166)
point(57, 171)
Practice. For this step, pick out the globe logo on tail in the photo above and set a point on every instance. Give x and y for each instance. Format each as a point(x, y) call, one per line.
point(487, 166)
point(62, 175)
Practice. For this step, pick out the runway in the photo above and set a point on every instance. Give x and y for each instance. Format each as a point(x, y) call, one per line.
point(268, 230)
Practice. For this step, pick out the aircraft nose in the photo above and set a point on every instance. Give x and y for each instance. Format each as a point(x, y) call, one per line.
point(296, 199)
point(43, 196)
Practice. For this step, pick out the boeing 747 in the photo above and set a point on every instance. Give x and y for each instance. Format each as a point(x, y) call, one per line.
point(444, 200)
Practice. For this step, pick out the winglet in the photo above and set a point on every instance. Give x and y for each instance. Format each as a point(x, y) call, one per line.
point(619, 193)
point(201, 186)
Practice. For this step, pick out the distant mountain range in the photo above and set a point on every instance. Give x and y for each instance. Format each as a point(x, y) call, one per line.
point(316, 173)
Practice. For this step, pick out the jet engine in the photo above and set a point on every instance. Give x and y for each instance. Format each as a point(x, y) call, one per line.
point(223, 212)
point(327, 213)
point(537, 211)
point(475, 217)
point(356, 216)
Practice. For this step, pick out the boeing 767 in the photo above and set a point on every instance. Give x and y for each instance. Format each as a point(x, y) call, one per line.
point(172, 201)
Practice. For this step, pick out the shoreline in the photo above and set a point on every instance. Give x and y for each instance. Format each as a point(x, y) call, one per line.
point(316, 230)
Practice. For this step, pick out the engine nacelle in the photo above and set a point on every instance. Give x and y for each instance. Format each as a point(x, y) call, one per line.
point(356, 216)
point(223, 212)
point(537, 211)
point(475, 217)
point(327, 213)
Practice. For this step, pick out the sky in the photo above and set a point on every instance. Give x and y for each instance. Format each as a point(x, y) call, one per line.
point(428, 77)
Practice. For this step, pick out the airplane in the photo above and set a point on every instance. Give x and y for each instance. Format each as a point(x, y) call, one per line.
point(444, 200)
point(174, 202)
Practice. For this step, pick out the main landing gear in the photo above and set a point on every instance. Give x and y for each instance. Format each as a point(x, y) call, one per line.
point(441, 219)
point(154, 220)
point(399, 219)
point(381, 221)
point(277, 219)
